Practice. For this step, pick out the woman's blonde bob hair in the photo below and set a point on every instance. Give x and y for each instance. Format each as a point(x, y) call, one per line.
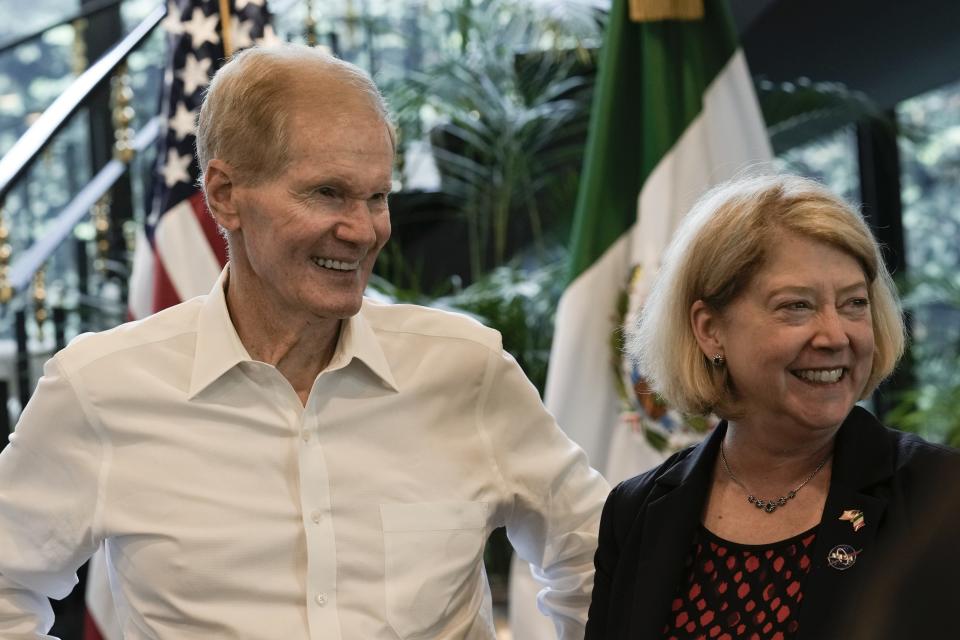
point(720, 245)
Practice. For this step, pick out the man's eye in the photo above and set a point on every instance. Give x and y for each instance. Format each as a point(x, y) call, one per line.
point(797, 305)
point(326, 192)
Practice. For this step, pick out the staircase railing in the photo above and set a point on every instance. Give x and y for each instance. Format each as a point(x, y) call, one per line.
point(22, 273)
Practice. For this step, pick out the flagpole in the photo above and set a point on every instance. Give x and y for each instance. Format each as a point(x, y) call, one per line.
point(225, 28)
point(658, 10)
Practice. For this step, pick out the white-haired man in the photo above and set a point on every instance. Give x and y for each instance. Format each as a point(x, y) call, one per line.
point(281, 459)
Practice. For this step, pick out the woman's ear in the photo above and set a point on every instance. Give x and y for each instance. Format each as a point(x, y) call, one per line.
point(218, 186)
point(706, 325)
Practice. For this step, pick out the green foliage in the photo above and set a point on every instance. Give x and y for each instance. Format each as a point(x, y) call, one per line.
point(803, 111)
point(510, 110)
point(520, 302)
point(930, 175)
point(518, 299)
point(397, 275)
point(932, 407)
point(930, 158)
point(831, 159)
point(930, 411)
point(497, 153)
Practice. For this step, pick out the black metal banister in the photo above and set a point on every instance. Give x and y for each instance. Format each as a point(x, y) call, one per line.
point(89, 9)
point(32, 142)
point(27, 263)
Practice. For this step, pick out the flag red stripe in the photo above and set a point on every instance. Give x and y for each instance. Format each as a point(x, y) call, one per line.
point(90, 631)
point(209, 226)
point(164, 293)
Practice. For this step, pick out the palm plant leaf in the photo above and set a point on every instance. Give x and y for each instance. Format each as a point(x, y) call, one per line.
point(513, 121)
point(802, 111)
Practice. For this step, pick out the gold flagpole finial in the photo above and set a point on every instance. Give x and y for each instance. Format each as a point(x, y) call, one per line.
point(654, 10)
point(226, 29)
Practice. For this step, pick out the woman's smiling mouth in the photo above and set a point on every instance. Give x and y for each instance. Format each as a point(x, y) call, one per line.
point(820, 376)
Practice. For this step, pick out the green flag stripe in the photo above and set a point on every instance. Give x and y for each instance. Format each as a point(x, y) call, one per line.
point(650, 83)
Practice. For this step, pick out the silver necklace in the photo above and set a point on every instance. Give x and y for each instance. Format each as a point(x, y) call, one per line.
point(769, 506)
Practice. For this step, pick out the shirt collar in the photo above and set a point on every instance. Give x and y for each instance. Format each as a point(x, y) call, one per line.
point(219, 348)
point(359, 340)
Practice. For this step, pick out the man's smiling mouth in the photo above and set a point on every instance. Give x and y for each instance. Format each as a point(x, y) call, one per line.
point(335, 265)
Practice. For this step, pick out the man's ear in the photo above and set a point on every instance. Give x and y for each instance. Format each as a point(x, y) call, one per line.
point(706, 326)
point(218, 185)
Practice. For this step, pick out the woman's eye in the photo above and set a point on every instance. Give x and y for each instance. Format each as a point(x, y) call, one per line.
point(797, 305)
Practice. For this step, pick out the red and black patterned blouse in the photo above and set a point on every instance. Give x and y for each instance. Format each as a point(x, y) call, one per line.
point(744, 591)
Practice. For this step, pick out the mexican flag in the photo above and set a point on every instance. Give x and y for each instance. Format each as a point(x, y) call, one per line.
point(674, 113)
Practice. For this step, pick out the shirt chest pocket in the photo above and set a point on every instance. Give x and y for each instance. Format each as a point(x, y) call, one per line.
point(434, 565)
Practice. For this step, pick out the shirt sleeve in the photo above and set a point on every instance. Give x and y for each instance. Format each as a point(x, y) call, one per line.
point(556, 496)
point(49, 476)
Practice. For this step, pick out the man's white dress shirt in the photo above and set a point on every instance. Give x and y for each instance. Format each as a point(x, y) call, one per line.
point(230, 510)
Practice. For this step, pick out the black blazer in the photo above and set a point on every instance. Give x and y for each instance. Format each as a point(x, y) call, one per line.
point(649, 522)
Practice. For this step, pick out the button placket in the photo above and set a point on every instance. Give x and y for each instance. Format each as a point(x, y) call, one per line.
point(318, 526)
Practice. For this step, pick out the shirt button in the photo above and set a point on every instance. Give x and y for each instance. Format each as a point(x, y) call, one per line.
point(305, 434)
point(316, 516)
point(321, 599)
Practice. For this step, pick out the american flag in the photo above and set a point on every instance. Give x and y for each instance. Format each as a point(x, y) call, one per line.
point(179, 251)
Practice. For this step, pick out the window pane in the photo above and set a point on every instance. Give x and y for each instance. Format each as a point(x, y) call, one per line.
point(831, 160)
point(930, 165)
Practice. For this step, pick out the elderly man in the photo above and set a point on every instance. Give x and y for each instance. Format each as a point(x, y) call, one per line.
point(282, 459)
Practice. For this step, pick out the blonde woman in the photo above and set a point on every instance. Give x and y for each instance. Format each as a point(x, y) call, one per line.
point(773, 310)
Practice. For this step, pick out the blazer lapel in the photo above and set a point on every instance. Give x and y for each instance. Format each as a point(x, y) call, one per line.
point(669, 524)
point(863, 456)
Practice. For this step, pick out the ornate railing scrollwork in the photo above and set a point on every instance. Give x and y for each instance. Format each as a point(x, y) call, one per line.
point(6, 252)
point(40, 311)
point(78, 55)
point(101, 227)
point(123, 114)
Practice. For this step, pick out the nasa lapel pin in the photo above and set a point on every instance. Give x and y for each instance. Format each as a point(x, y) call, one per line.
point(855, 517)
point(842, 557)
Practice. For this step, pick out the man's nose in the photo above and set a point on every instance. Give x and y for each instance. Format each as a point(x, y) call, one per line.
point(356, 226)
